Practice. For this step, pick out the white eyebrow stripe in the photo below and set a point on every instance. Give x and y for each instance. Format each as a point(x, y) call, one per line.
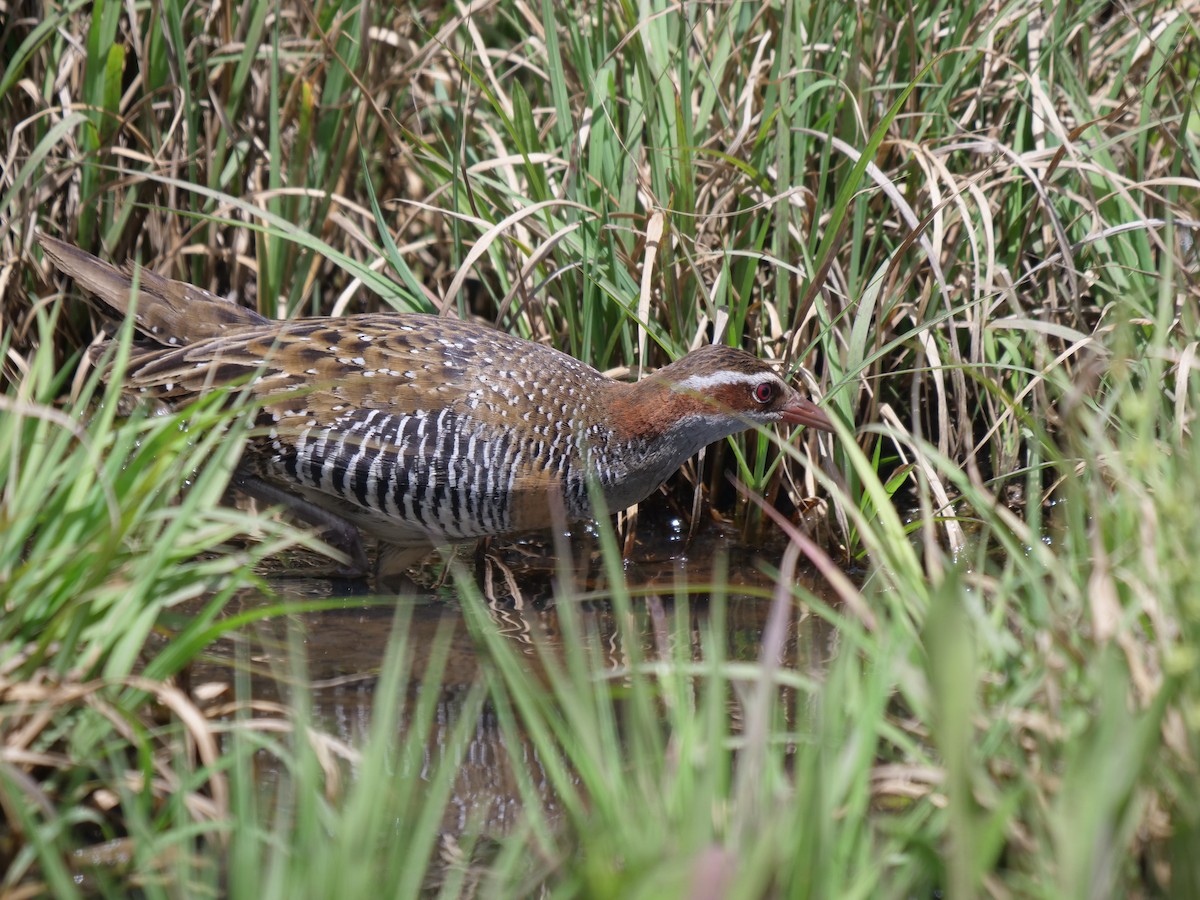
point(718, 379)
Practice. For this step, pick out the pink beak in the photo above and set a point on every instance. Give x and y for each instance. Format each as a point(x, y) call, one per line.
point(802, 411)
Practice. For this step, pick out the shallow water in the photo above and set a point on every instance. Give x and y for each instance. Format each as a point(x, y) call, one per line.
point(345, 646)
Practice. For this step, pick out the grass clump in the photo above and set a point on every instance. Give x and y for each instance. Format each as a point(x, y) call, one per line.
point(108, 524)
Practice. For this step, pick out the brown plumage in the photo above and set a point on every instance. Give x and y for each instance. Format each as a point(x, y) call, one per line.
point(425, 431)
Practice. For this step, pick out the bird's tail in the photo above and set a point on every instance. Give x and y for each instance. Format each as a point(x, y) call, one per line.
point(167, 312)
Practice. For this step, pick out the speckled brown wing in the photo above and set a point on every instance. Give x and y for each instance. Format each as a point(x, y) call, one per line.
point(398, 362)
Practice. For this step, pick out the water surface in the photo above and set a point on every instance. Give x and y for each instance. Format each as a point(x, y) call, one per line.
point(344, 646)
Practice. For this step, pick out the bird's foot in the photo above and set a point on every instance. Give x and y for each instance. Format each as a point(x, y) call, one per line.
point(392, 565)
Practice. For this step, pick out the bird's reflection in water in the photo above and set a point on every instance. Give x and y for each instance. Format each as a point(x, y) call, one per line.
point(345, 646)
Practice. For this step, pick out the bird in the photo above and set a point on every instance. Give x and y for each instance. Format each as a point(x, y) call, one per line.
point(425, 431)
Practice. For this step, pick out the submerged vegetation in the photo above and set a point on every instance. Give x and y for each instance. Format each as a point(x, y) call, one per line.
point(972, 231)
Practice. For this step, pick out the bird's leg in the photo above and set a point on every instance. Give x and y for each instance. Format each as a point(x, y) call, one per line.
point(392, 565)
point(335, 530)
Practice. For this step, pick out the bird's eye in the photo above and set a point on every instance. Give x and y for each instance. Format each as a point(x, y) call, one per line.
point(764, 392)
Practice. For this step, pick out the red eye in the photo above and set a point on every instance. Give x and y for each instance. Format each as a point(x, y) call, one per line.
point(764, 392)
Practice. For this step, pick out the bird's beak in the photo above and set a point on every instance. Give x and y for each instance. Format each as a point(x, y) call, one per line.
point(802, 411)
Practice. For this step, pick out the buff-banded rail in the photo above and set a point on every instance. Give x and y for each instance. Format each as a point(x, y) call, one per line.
point(425, 431)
